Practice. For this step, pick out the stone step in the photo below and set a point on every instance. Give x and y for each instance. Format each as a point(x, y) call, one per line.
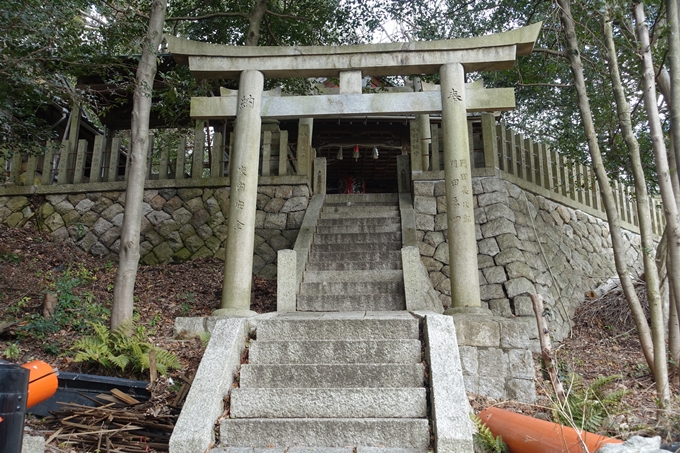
point(390, 275)
point(356, 238)
point(357, 213)
point(362, 198)
point(356, 210)
point(332, 376)
point(352, 229)
point(342, 255)
point(331, 265)
point(334, 352)
point(360, 221)
point(350, 204)
point(359, 449)
point(352, 302)
point(351, 288)
point(326, 432)
point(341, 326)
point(328, 403)
point(358, 247)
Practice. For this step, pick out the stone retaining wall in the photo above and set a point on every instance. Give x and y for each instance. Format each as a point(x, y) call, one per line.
point(177, 224)
point(526, 244)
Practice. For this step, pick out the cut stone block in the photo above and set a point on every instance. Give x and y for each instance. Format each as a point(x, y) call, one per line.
point(356, 288)
point(352, 302)
point(353, 238)
point(315, 432)
point(355, 228)
point(328, 403)
point(353, 276)
point(342, 329)
point(354, 265)
point(352, 351)
point(332, 376)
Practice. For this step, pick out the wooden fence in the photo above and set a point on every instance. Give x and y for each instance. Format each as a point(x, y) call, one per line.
point(106, 160)
point(494, 150)
point(534, 166)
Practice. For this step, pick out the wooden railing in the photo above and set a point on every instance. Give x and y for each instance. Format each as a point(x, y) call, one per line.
point(105, 160)
point(534, 166)
point(494, 150)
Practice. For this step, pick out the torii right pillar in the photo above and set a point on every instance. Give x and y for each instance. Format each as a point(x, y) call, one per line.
point(462, 240)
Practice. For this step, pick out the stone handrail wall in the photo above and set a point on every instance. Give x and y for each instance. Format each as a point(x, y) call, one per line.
point(92, 163)
point(498, 151)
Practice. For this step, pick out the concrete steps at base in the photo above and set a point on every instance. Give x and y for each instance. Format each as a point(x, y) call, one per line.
point(333, 376)
point(334, 352)
point(327, 432)
point(359, 449)
point(365, 326)
point(328, 403)
point(351, 302)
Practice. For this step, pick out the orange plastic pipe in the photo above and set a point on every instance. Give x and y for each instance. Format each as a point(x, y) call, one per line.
point(42, 382)
point(525, 434)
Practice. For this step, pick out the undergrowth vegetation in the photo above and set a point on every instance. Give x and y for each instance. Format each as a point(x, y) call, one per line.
point(588, 406)
point(127, 345)
point(72, 310)
point(484, 440)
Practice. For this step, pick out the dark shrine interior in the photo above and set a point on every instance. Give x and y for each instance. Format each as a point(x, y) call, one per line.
point(390, 135)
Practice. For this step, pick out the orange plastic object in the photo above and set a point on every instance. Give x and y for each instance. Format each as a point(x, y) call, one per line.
point(42, 382)
point(525, 434)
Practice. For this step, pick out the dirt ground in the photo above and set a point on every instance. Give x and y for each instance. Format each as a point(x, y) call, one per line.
point(32, 266)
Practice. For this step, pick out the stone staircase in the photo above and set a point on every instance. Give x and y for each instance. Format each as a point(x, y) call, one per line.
point(355, 260)
point(345, 370)
point(352, 379)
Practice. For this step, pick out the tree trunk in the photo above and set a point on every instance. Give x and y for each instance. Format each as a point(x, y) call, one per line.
point(659, 147)
point(644, 220)
point(673, 100)
point(128, 256)
point(663, 81)
point(255, 19)
point(574, 56)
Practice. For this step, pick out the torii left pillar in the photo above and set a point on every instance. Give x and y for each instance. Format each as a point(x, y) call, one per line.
point(238, 263)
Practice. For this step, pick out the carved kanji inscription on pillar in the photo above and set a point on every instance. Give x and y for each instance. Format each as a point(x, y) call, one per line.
point(453, 96)
point(247, 102)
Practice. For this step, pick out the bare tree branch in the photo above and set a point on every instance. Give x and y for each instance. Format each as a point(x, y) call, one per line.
point(125, 11)
point(558, 53)
point(554, 85)
point(286, 16)
point(207, 16)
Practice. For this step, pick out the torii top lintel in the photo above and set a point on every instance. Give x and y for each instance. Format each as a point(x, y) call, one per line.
point(483, 53)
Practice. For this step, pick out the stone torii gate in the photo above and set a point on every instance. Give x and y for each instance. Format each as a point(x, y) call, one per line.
point(450, 58)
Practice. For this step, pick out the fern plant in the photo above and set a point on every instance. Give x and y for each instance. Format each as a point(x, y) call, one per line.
point(484, 439)
point(588, 406)
point(119, 348)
